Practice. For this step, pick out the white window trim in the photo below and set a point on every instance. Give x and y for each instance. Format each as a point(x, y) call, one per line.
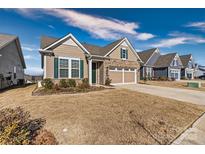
point(69, 67)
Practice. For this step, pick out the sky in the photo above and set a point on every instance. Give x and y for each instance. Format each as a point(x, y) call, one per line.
point(170, 30)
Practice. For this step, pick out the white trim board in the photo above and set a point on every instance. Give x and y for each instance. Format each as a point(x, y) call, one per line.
point(156, 50)
point(67, 36)
point(129, 44)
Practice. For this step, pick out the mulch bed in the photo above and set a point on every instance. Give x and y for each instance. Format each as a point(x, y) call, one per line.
point(70, 90)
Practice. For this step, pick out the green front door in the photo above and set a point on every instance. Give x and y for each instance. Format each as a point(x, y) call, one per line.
point(93, 72)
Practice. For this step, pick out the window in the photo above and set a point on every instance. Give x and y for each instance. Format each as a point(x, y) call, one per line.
point(149, 71)
point(124, 53)
point(75, 68)
point(64, 68)
point(175, 62)
point(69, 68)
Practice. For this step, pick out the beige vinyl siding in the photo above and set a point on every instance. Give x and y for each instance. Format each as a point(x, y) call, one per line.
point(65, 51)
point(116, 53)
point(49, 67)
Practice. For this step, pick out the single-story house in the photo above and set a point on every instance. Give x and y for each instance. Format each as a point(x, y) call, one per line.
point(149, 57)
point(188, 68)
point(32, 78)
point(168, 66)
point(66, 57)
point(12, 62)
point(199, 70)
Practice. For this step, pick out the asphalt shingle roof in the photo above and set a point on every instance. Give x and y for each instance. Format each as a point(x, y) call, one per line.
point(6, 39)
point(47, 40)
point(146, 54)
point(102, 51)
point(165, 60)
point(93, 49)
point(185, 59)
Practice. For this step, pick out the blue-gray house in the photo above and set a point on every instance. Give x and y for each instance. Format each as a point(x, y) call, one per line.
point(149, 57)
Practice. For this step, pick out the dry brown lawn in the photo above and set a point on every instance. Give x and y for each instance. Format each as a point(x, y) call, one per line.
point(173, 84)
point(107, 117)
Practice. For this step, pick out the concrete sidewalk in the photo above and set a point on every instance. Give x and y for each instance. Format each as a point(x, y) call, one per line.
point(192, 96)
point(193, 135)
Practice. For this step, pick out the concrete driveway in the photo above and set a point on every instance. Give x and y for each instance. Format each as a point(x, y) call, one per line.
point(192, 96)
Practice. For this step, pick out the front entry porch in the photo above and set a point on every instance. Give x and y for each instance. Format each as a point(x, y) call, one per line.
point(95, 72)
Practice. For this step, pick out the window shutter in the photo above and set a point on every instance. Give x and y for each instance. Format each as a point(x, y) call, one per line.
point(121, 53)
point(126, 54)
point(55, 68)
point(81, 69)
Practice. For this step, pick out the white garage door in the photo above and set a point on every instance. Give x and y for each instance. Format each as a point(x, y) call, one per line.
point(123, 76)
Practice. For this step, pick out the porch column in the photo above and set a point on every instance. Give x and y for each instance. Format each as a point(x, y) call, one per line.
point(135, 75)
point(44, 67)
point(90, 71)
point(123, 75)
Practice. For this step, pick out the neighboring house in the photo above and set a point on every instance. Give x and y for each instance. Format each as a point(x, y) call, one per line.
point(168, 66)
point(149, 57)
point(12, 63)
point(187, 71)
point(66, 58)
point(32, 78)
point(199, 70)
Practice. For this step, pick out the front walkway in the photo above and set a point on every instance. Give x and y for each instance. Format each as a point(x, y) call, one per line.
point(191, 96)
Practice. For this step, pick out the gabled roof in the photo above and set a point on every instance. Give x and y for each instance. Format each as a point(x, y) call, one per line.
point(6, 39)
point(185, 59)
point(48, 43)
point(165, 60)
point(93, 49)
point(146, 54)
point(47, 40)
point(101, 51)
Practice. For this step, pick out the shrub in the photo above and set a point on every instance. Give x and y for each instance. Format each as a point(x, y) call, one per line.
point(16, 127)
point(162, 78)
point(45, 137)
point(108, 81)
point(63, 83)
point(71, 83)
point(183, 78)
point(145, 79)
point(47, 83)
point(85, 84)
point(56, 87)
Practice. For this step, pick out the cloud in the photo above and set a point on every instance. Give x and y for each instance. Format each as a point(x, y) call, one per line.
point(51, 26)
point(28, 57)
point(33, 71)
point(198, 25)
point(98, 27)
point(169, 42)
point(28, 47)
point(31, 57)
point(145, 36)
point(29, 13)
point(179, 38)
